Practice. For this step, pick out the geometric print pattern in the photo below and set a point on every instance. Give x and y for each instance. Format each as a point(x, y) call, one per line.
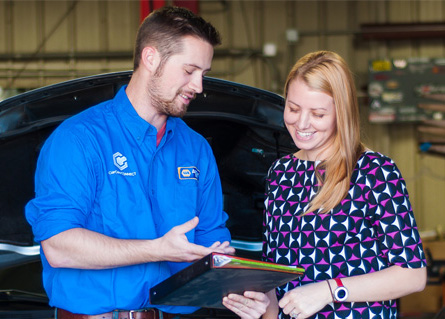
point(370, 230)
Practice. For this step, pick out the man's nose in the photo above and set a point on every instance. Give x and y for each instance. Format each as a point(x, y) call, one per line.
point(196, 83)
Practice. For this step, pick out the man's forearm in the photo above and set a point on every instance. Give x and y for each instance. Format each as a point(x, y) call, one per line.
point(84, 249)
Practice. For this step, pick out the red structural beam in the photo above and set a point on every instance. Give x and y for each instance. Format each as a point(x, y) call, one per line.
point(148, 6)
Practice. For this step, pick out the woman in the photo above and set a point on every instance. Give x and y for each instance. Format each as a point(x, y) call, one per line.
point(335, 208)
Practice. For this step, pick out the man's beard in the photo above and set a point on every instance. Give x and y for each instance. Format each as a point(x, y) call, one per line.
point(162, 105)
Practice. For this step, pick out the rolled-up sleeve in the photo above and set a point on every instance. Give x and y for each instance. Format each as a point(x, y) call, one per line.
point(64, 186)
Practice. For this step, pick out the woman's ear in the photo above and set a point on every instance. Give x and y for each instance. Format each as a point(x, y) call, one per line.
point(150, 58)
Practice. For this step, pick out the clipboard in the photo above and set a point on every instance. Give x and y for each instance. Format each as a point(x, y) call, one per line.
point(208, 280)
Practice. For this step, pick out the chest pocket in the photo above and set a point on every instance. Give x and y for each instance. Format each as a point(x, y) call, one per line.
point(186, 199)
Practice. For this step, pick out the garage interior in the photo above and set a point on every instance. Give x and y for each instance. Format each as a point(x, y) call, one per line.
point(47, 42)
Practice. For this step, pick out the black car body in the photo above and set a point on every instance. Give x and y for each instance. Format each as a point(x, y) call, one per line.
point(244, 126)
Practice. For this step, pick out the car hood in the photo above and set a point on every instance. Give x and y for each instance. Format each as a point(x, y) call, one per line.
point(244, 126)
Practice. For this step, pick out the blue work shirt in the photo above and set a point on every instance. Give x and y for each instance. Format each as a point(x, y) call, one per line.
point(101, 170)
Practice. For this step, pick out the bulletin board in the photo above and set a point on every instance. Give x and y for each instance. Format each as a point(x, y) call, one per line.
point(397, 88)
point(410, 91)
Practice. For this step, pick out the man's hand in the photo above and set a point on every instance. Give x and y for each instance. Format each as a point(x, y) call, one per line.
point(84, 249)
point(174, 246)
point(223, 248)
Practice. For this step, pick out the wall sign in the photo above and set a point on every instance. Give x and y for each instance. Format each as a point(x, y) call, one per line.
point(406, 90)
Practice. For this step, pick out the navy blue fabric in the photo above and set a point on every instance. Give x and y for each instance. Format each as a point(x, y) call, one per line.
point(371, 229)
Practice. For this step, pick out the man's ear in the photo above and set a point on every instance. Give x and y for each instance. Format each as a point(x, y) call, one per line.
point(150, 58)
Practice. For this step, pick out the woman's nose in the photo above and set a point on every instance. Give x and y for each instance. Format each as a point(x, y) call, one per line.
point(303, 121)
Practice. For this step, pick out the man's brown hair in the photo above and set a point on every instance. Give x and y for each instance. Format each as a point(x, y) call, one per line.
point(165, 28)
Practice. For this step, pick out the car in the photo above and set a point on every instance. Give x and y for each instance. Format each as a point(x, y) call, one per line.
point(244, 126)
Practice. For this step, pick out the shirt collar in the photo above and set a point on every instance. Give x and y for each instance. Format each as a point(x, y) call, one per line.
point(138, 127)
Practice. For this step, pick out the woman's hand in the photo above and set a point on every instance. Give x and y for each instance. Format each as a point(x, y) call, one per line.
point(390, 283)
point(250, 305)
point(302, 302)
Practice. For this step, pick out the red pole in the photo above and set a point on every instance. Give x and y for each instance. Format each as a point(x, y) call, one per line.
point(192, 5)
point(147, 6)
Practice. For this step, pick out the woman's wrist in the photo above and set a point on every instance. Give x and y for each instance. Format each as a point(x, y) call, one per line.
point(340, 292)
point(330, 291)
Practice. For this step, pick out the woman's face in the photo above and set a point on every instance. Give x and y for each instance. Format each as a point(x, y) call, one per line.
point(310, 119)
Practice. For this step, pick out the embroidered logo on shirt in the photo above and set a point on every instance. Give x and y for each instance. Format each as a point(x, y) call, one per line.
point(190, 172)
point(120, 161)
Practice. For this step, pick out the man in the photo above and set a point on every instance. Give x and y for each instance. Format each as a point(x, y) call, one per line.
point(126, 193)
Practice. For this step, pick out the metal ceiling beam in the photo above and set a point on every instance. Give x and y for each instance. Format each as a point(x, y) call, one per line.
point(114, 55)
point(402, 31)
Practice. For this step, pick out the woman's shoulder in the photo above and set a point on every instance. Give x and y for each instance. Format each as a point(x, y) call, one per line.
point(282, 161)
point(373, 156)
point(371, 160)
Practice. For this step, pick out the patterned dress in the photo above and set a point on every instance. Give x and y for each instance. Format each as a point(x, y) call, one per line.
point(372, 229)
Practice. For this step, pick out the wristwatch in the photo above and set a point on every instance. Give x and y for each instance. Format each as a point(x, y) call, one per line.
point(340, 293)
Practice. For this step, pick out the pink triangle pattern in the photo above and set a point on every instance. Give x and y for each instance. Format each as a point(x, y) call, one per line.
point(357, 236)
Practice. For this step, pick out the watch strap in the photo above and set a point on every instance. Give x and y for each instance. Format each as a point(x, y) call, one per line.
point(340, 293)
point(339, 282)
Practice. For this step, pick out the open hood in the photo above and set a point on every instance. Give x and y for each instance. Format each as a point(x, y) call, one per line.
point(244, 126)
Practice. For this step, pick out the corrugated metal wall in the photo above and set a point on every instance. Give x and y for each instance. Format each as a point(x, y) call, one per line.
point(43, 42)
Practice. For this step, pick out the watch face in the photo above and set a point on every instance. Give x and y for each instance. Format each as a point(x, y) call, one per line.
point(341, 294)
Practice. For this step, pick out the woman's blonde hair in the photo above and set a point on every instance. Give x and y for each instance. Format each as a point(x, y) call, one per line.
point(327, 72)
